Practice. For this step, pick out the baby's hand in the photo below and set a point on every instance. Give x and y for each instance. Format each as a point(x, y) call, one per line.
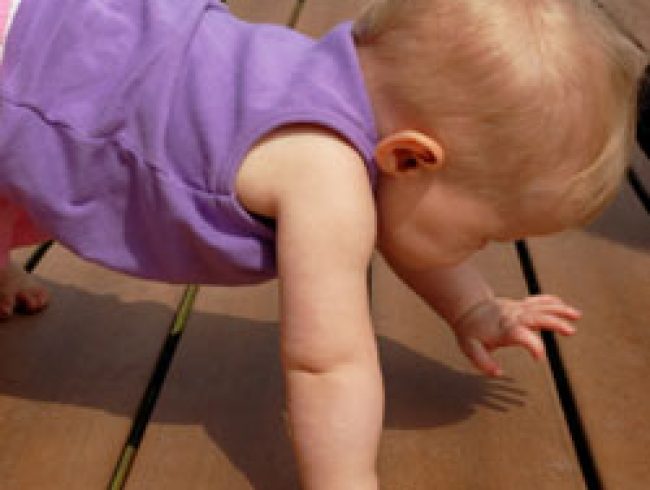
point(501, 322)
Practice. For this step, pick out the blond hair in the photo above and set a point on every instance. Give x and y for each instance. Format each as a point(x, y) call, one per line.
point(553, 82)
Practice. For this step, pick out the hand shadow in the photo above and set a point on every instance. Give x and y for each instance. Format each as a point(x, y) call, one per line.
point(422, 393)
point(226, 377)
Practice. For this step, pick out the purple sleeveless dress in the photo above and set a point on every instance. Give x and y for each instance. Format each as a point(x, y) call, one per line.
point(123, 124)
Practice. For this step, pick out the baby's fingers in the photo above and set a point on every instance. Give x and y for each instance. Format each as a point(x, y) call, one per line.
point(481, 358)
point(544, 321)
point(553, 305)
point(527, 339)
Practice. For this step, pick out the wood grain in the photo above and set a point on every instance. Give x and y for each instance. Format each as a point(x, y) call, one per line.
point(443, 418)
point(605, 270)
point(71, 377)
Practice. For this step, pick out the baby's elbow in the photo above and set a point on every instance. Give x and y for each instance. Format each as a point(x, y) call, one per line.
point(326, 356)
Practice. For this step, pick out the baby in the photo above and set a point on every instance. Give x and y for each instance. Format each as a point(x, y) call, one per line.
point(169, 140)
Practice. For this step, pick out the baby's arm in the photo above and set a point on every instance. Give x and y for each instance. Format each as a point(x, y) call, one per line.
point(326, 234)
point(483, 322)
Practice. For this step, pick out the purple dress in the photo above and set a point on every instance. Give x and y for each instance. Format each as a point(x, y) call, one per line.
point(123, 124)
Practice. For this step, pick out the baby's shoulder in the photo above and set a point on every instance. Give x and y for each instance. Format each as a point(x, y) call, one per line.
point(294, 158)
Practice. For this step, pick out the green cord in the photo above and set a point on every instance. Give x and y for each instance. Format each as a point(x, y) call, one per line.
point(141, 419)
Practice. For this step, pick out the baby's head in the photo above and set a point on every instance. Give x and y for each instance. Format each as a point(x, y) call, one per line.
point(522, 109)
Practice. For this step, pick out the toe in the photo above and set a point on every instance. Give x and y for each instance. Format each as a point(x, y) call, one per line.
point(33, 300)
point(7, 304)
point(19, 290)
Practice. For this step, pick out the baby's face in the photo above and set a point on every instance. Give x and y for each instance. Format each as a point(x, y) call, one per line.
point(441, 225)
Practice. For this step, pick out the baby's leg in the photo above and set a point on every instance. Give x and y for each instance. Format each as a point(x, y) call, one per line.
point(18, 289)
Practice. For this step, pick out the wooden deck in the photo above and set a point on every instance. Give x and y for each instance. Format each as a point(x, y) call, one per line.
point(84, 403)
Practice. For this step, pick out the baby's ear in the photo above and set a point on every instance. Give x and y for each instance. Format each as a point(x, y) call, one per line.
point(407, 152)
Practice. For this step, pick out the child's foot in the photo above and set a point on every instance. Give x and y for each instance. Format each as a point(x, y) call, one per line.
point(19, 291)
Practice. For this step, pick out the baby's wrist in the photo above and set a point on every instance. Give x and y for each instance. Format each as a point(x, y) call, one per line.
point(470, 311)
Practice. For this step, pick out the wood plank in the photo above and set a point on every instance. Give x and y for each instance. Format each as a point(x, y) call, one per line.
point(276, 11)
point(605, 270)
point(71, 377)
point(444, 418)
point(22, 254)
point(319, 16)
point(219, 422)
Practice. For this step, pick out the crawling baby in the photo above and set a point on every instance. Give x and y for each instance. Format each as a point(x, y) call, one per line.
point(169, 140)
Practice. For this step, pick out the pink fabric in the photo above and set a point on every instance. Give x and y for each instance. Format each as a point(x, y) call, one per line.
point(4, 13)
point(16, 228)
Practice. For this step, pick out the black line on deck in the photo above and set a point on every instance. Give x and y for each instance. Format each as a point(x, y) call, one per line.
point(639, 190)
point(295, 15)
point(562, 384)
point(36, 257)
point(152, 392)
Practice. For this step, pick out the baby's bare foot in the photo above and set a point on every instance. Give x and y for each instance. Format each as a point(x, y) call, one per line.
point(19, 291)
